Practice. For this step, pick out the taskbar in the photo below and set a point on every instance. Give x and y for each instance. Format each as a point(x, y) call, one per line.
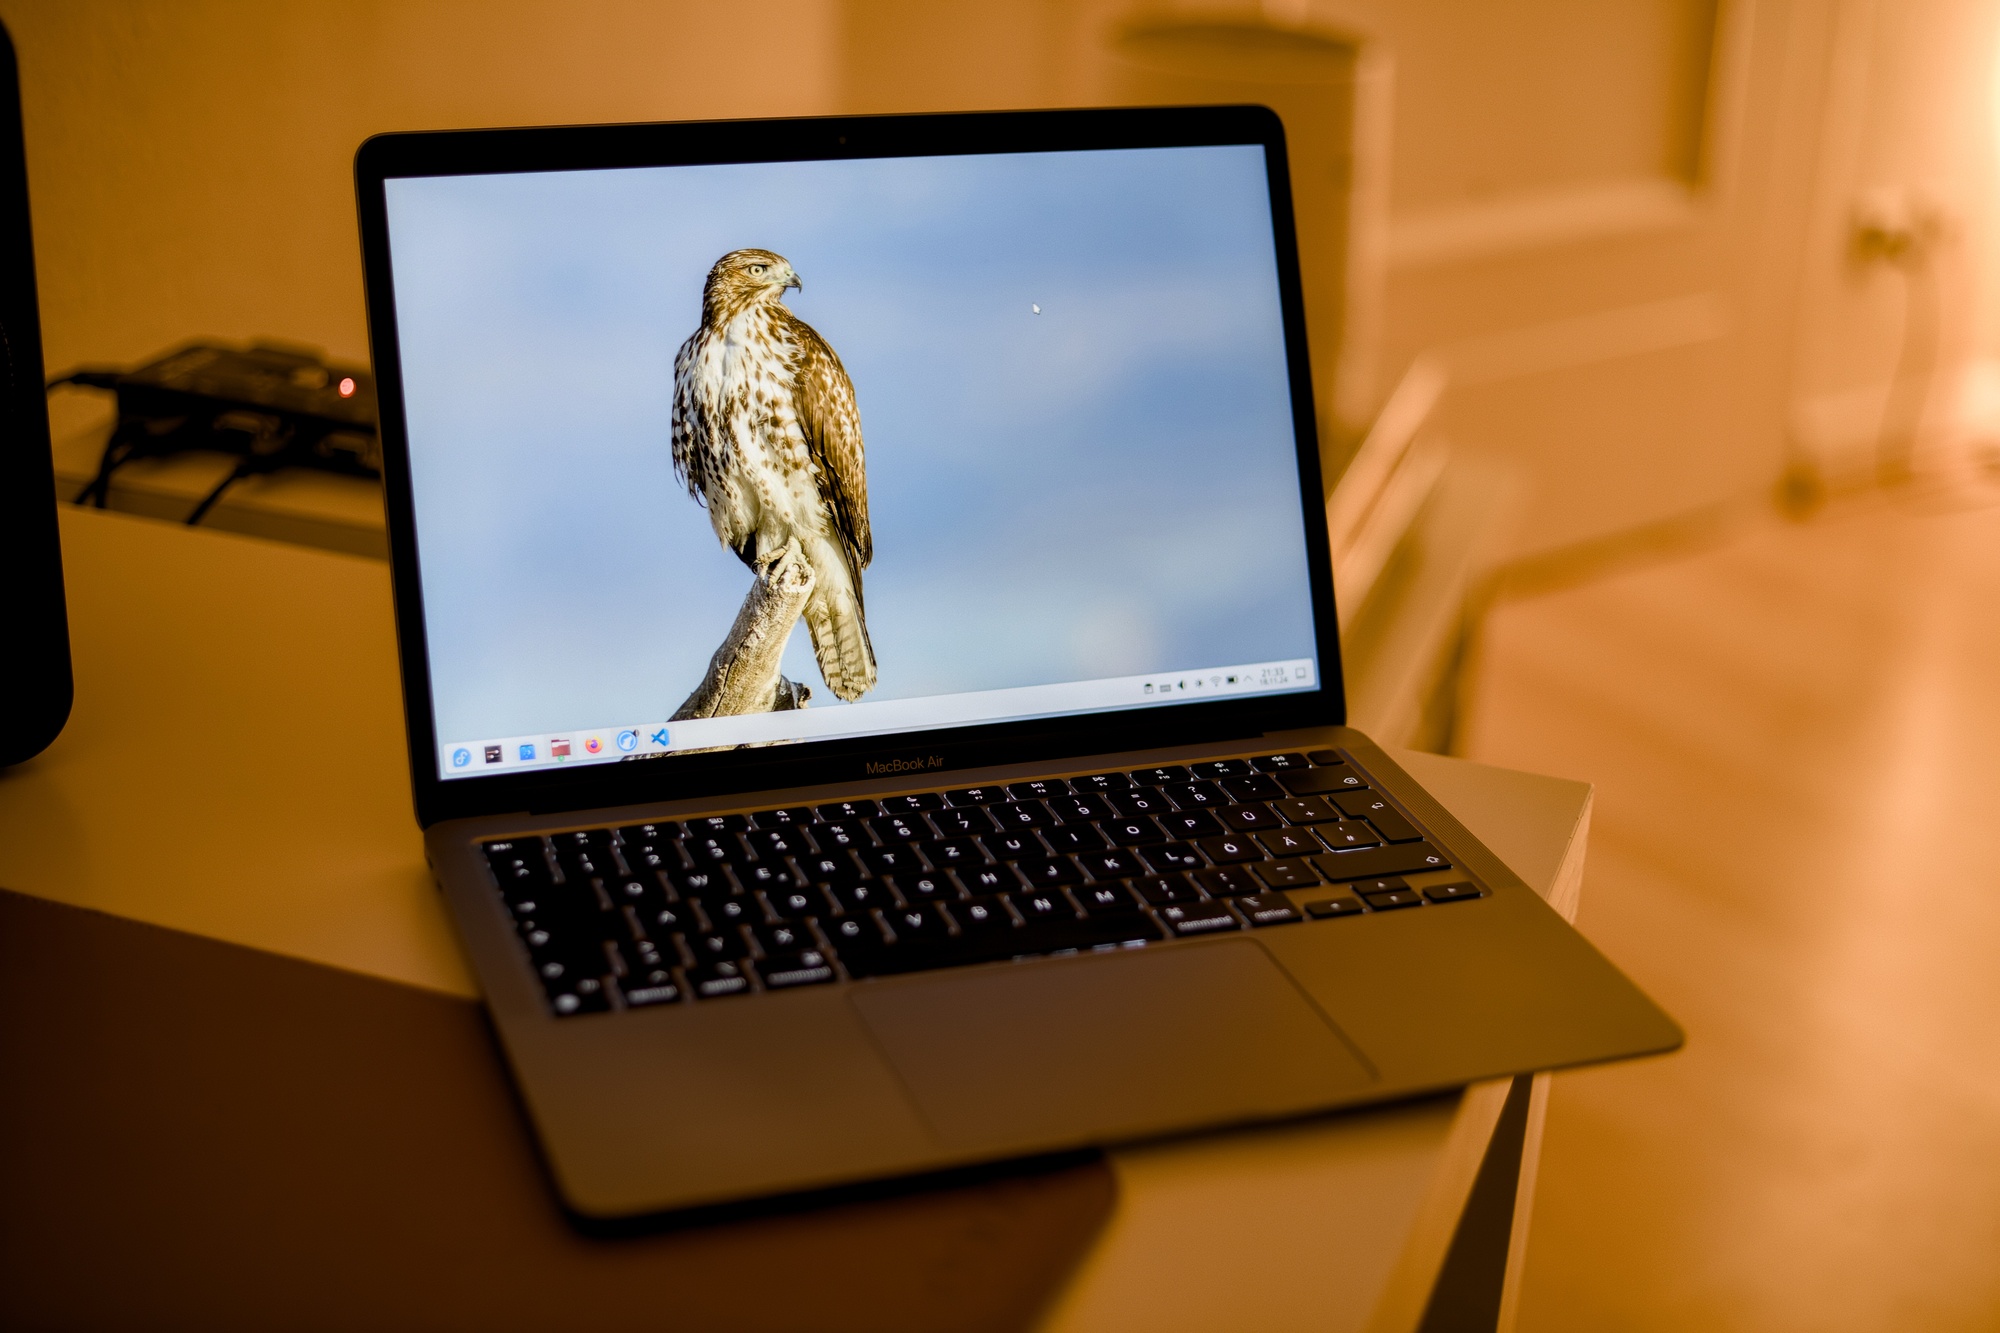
point(649, 740)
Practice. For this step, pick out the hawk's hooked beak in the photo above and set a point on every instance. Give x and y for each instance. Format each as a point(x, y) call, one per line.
point(794, 285)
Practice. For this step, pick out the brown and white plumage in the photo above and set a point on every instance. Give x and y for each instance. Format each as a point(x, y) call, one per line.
point(766, 434)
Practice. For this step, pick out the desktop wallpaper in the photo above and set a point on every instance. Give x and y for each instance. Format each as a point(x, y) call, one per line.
point(1070, 377)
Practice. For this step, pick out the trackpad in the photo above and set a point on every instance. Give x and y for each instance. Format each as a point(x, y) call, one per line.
point(1108, 1046)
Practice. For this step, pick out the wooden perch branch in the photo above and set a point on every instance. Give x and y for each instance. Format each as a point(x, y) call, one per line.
point(743, 675)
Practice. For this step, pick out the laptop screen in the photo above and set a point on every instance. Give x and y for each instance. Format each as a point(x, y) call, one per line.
point(764, 453)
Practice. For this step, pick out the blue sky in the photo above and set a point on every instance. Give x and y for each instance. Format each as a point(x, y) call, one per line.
point(1106, 488)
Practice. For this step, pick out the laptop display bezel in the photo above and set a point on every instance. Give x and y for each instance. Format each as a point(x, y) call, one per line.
point(928, 755)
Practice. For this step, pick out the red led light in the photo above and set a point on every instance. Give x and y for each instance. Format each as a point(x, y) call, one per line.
point(347, 387)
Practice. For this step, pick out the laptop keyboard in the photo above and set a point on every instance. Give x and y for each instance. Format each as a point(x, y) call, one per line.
point(726, 905)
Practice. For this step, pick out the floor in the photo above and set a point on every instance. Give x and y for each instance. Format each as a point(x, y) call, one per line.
point(1795, 736)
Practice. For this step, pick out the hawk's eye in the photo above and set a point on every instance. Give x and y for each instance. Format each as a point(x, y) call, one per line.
point(756, 268)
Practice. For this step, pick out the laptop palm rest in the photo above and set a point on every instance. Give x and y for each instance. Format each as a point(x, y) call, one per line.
point(1109, 1045)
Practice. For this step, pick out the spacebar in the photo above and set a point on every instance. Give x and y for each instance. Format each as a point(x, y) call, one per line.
point(881, 960)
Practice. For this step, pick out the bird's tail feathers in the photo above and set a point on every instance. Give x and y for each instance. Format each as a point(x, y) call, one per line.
point(839, 632)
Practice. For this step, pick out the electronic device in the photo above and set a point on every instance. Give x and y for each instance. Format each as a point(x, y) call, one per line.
point(988, 438)
point(270, 405)
point(38, 699)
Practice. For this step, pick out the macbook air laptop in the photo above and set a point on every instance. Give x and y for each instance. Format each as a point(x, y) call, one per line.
point(872, 678)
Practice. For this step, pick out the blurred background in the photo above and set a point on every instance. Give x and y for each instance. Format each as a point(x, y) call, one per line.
point(1658, 355)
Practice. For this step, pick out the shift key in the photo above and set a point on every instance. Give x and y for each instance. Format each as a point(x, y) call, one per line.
point(1376, 862)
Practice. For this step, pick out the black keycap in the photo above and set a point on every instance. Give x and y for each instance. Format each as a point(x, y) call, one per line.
point(1038, 790)
point(723, 911)
point(1247, 818)
point(653, 985)
point(631, 889)
point(1172, 856)
point(1196, 796)
point(1101, 782)
point(1367, 805)
point(834, 812)
point(658, 834)
point(1213, 769)
point(1188, 824)
point(856, 931)
point(783, 938)
point(952, 852)
point(1290, 842)
point(713, 981)
point(1136, 831)
point(989, 879)
point(581, 840)
point(1085, 809)
point(584, 864)
point(521, 859)
point(1099, 899)
point(1163, 889)
point(1372, 862)
point(1013, 846)
point(1383, 902)
point(963, 821)
point(808, 967)
point(1451, 893)
point(1070, 839)
point(1314, 781)
point(1229, 848)
point(586, 997)
point(839, 836)
point(1307, 810)
point(707, 824)
point(642, 860)
point(767, 875)
point(981, 916)
point(1323, 757)
point(710, 849)
point(710, 945)
point(796, 904)
point(1050, 905)
point(1014, 816)
point(1228, 881)
point(921, 921)
point(1198, 918)
point(1153, 777)
point(662, 921)
point(889, 860)
point(1059, 935)
point(857, 898)
point(835, 868)
point(1120, 864)
point(1348, 834)
point(973, 796)
point(1252, 789)
point(1385, 885)
point(1286, 874)
point(891, 830)
point(1278, 763)
point(1047, 871)
point(925, 887)
point(795, 816)
point(910, 805)
point(695, 883)
point(1140, 802)
point(777, 844)
point(1331, 907)
point(1268, 909)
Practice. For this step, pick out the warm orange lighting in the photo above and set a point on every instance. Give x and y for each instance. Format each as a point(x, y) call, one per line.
point(347, 387)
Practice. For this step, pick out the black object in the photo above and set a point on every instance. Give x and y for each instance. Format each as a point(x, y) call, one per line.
point(604, 912)
point(269, 405)
point(31, 584)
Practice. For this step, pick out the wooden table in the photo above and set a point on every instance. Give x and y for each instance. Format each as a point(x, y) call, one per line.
point(235, 769)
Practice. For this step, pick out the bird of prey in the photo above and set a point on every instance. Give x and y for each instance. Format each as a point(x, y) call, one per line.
point(766, 435)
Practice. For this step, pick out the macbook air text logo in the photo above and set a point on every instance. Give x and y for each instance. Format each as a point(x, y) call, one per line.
point(879, 767)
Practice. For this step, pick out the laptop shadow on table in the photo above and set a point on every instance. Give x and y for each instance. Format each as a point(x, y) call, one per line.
point(201, 1133)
